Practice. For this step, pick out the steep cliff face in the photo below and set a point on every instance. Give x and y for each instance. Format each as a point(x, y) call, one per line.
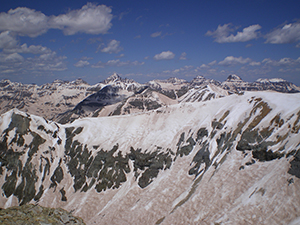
point(229, 160)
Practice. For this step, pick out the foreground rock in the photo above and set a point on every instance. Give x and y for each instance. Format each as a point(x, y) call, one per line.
point(37, 215)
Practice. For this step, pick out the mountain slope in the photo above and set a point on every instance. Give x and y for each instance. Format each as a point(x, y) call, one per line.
point(229, 160)
point(47, 100)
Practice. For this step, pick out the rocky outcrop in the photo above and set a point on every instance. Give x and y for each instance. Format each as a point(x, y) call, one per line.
point(37, 215)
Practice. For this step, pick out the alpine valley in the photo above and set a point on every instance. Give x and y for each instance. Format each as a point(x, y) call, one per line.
point(164, 152)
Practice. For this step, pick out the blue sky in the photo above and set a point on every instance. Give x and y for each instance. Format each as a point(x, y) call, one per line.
point(41, 41)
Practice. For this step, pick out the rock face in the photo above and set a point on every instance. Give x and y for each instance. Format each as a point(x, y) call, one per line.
point(47, 100)
point(224, 160)
point(37, 215)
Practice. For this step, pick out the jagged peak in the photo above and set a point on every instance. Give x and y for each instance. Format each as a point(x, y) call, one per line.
point(233, 77)
point(112, 78)
point(199, 77)
point(5, 82)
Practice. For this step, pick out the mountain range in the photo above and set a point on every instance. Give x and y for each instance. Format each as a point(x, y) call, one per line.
point(164, 152)
point(64, 101)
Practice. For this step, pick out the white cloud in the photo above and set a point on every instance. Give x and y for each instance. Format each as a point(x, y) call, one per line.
point(212, 63)
point(90, 19)
point(82, 63)
point(9, 44)
point(204, 66)
point(98, 65)
point(7, 41)
point(232, 61)
point(254, 63)
point(289, 33)
point(156, 34)
point(137, 63)
point(14, 57)
point(112, 47)
point(221, 34)
point(182, 56)
point(24, 22)
point(14, 63)
point(33, 49)
point(164, 55)
point(284, 62)
point(116, 62)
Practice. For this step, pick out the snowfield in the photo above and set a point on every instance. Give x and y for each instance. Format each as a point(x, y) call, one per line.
point(229, 160)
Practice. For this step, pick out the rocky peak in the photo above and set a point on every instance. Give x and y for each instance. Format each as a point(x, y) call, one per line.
point(79, 81)
point(175, 80)
point(233, 78)
point(4, 83)
point(113, 78)
point(198, 80)
point(58, 81)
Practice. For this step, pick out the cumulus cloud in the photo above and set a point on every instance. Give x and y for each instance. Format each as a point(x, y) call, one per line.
point(112, 47)
point(182, 56)
point(14, 63)
point(13, 57)
point(90, 19)
point(212, 63)
point(33, 49)
point(232, 61)
point(255, 63)
point(82, 63)
point(164, 55)
point(156, 34)
point(204, 66)
point(7, 41)
point(284, 62)
point(221, 34)
point(24, 22)
point(9, 44)
point(289, 33)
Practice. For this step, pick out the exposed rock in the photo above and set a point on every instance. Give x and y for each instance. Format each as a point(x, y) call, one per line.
point(37, 215)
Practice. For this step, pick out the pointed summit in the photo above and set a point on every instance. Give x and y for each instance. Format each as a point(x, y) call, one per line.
point(233, 77)
point(113, 78)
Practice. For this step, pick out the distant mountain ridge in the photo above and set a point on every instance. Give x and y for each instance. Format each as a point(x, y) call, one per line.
point(65, 101)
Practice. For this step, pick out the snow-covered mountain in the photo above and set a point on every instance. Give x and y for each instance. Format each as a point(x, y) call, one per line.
point(233, 159)
point(235, 84)
point(66, 101)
